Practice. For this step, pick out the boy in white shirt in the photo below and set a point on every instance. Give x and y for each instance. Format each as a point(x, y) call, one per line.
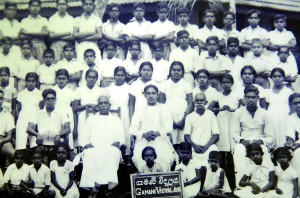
point(229, 30)
point(87, 30)
point(113, 30)
point(163, 29)
point(35, 28)
point(60, 34)
point(7, 56)
point(46, 71)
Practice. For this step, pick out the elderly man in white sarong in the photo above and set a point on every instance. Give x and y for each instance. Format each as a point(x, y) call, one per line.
point(101, 155)
point(151, 126)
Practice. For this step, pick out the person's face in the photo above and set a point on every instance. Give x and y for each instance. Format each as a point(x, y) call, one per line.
point(61, 154)
point(146, 72)
point(120, 78)
point(19, 161)
point(91, 79)
point(50, 101)
point(257, 49)
point(149, 157)
point(31, 83)
point(183, 18)
point(277, 78)
point(10, 12)
point(103, 105)
point(251, 99)
point(1, 99)
point(228, 21)
point(35, 8)
point(6, 46)
point(176, 72)
point(48, 59)
point(256, 157)
point(283, 54)
point(209, 19)
point(151, 96)
point(280, 24)
point(226, 84)
point(233, 48)
point(69, 53)
point(296, 104)
point(200, 102)
point(253, 20)
point(283, 160)
point(89, 58)
point(61, 81)
point(62, 6)
point(88, 6)
point(184, 40)
point(162, 14)
point(214, 164)
point(247, 76)
point(26, 50)
point(37, 160)
point(139, 13)
point(111, 51)
point(202, 79)
point(158, 53)
point(185, 155)
point(212, 46)
point(114, 13)
point(135, 51)
point(4, 77)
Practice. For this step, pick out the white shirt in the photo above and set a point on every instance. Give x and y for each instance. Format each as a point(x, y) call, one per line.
point(210, 93)
point(114, 30)
point(132, 67)
point(7, 123)
point(71, 66)
point(235, 66)
point(87, 24)
point(10, 28)
point(249, 33)
point(233, 33)
point(41, 177)
point(204, 33)
point(34, 25)
point(201, 128)
point(143, 28)
point(193, 30)
point(293, 126)
point(14, 176)
point(58, 24)
point(211, 64)
point(109, 65)
point(9, 61)
point(259, 63)
point(280, 38)
point(160, 70)
point(189, 58)
point(85, 67)
point(46, 74)
point(289, 67)
point(159, 28)
point(25, 66)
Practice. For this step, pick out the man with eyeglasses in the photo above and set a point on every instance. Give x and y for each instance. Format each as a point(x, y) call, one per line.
point(50, 126)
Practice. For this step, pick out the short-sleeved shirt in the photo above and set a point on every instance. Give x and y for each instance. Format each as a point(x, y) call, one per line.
point(289, 67)
point(235, 66)
point(87, 95)
point(211, 64)
point(114, 30)
point(25, 66)
point(178, 90)
point(30, 99)
point(193, 30)
point(14, 176)
point(286, 179)
point(10, 28)
point(97, 67)
point(159, 28)
point(41, 177)
point(260, 173)
point(67, 23)
point(280, 38)
point(259, 63)
point(160, 70)
point(34, 25)
point(293, 126)
point(7, 123)
point(46, 74)
point(9, 61)
point(132, 27)
point(204, 33)
point(132, 67)
point(49, 126)
point(73, 66)
point(250, 33)
point(62, 172)
point(233, 33)
point(210, 93)
point(201, 128)
point(232, 100)
point(109, 65)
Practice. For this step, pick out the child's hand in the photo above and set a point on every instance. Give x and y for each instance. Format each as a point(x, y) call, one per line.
point(255, 188)
point(279, 191)
point(63, 192)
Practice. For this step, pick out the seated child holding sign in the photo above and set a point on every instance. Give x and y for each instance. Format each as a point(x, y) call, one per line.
point(259, 176)
point(149, 155)
point(190, 173)
point(214, 182)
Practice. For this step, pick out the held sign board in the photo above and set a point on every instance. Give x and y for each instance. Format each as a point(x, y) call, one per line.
point(167, 184)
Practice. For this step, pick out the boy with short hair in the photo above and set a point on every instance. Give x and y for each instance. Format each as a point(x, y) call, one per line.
point(209, 18)
point(113, 30)
point(34, 28)
point(185, 54)
point(46, 71)
point(251, 32)
point(143, 35)
point(229, 21)
point(60, 34)
point(72, 65)
point(87, 30)
point(26, 64)
point(163, 29)
point(7, 56)
point(259, 62)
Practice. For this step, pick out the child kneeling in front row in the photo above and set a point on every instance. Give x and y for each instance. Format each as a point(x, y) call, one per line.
point(214, 182)
point(259, 178)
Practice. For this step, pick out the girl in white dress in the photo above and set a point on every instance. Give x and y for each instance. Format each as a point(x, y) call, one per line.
point(137, 98)
point(119, 98)
point(10, 93)
point(62, 173)
point(151, 166)
point(279, 106)
point(177, 92)
point(190, 170)
point(86, 100)
point(202, 78)
point(64, 98)
point(28, 106)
